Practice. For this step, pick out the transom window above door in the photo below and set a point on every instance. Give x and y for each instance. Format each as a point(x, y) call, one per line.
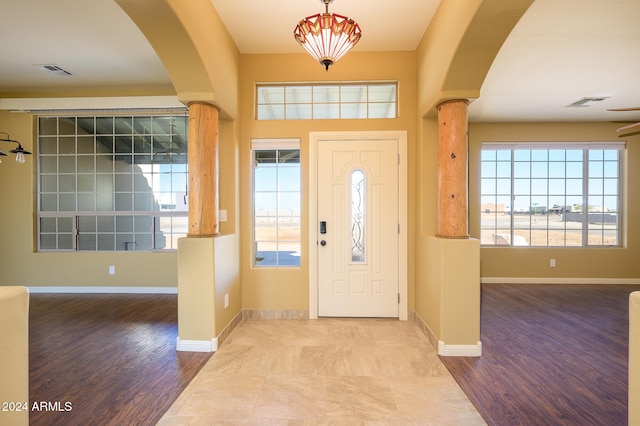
point(326, 101)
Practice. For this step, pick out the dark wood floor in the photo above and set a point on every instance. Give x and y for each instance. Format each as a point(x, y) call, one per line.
point(552, 355)
point(111, 359)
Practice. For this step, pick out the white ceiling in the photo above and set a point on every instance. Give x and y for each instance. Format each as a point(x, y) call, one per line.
point(560, 52)
point(93, 39)
point(385, 25)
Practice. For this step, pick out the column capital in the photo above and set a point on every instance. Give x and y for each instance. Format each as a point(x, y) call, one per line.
point(203, 103)
point(450, 101)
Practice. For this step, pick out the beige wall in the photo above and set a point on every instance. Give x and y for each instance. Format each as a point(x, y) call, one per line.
point(430, 74)
point(459, 46)
point(592, 263)
point(19, 260)
point(209, 270)
point(14, 354)
point(228, 175)
point(195, 48)
point(165, 24)
point(437, 50)
point(22, 265)
point(428, 291)
point(288, 288)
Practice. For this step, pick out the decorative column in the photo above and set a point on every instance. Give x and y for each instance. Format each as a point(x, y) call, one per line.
point(452, 169)
point(203, 170)
point(196, 253)
point(456, 257)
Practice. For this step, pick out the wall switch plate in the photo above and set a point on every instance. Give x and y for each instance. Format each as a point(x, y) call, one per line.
point(226, 300)
point(552, 263)
point(222, 215)
point(112, 270)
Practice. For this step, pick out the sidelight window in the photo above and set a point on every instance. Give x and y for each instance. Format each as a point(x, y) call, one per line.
point(276, 203)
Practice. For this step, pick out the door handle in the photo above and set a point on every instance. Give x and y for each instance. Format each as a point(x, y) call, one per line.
point(323, 243)
point(323, 227)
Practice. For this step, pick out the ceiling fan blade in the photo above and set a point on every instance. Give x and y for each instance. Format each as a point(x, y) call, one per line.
point(624, 109)
point(626, 135)
point(629, 127)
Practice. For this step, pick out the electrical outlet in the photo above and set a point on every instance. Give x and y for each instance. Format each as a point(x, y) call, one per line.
point(112, 270)
point(226, 300)
point(552, 263)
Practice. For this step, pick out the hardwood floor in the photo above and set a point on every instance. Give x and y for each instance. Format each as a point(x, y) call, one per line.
point(552, 355)
point(105, 359)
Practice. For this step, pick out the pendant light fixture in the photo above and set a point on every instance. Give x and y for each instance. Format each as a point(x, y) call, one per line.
point(19, 151)
point(327, 36)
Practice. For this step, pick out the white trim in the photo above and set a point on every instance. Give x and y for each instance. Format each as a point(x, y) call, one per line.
point(269, 144)
point(442, 347)
point(403, 219)
point(289, 143)
point(262, 114)
point(534, 280)
point(459, 350)
point(109, 290)
point(401, 137)
point(197, 345)
point(90, 103)
point(313, 221)
point(619, 145)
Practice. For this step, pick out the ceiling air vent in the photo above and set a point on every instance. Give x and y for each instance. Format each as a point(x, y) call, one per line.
point(585, 102)
point(54, 70)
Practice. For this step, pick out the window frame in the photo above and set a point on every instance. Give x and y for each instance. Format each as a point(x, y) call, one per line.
point(277, 145)
point(140, 227)
point(586, 229)
point(330, 108)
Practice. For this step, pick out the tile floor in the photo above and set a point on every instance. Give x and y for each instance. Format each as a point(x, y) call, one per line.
point(325, 371)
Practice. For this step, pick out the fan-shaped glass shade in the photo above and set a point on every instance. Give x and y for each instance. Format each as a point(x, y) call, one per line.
point(327, 36)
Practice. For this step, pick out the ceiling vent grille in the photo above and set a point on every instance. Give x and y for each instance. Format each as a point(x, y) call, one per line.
point(585, 102)
point(54, 69)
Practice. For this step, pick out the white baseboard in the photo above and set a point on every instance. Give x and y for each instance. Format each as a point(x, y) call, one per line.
point(528, 280)
point(108, 290)
point(459, 350)
point(197, 345)
point(444, 349)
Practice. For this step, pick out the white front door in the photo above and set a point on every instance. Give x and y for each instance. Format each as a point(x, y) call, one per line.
point(357, 229)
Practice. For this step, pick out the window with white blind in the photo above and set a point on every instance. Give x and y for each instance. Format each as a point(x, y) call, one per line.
point(112, 183)
point(551, 194)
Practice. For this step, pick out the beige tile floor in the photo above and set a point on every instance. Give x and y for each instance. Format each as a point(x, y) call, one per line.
point(324, 372)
